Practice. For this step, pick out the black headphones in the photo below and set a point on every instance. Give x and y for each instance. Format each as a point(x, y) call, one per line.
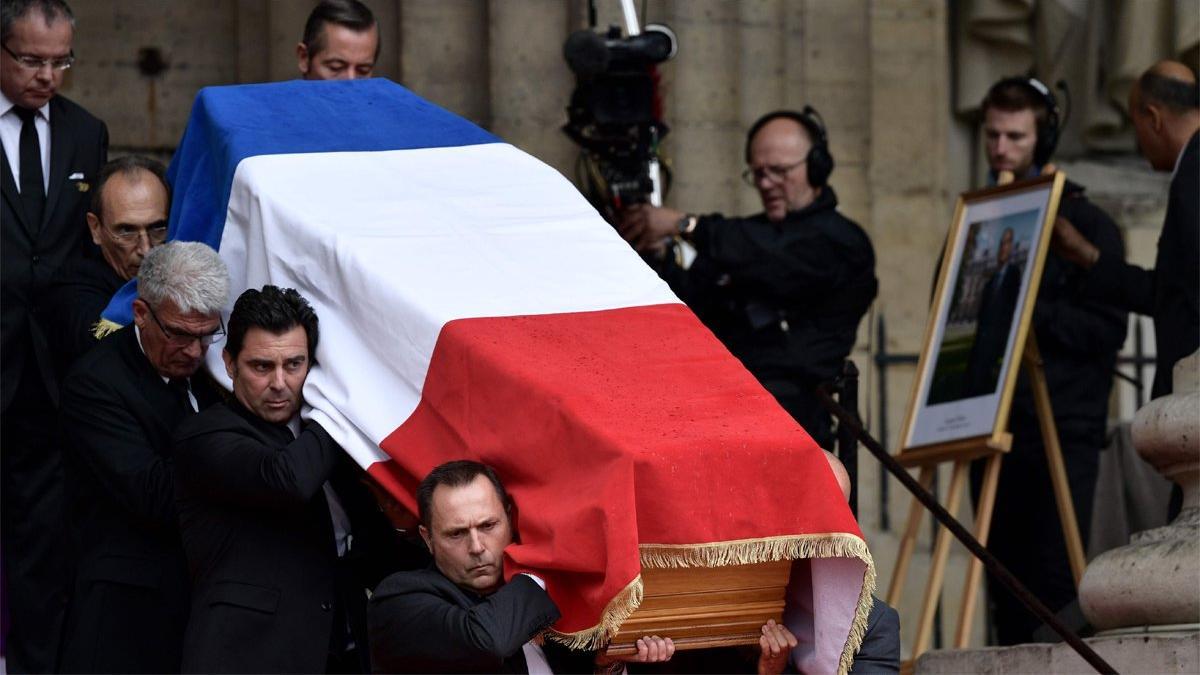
point(819, 161)
point(1047, 131)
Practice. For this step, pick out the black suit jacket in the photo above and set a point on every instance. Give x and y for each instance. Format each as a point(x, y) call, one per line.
point(1170, 292)
point(130, 599)
point(260, 544)
point(880, 650)
point(32, 253)
point(74, 302)
point(422, 622)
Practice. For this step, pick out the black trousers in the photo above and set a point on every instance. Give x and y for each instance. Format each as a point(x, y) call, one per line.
point(33, 542)
point(1026, 534)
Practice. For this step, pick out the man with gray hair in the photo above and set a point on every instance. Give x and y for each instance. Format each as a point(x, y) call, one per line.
point(121, 403)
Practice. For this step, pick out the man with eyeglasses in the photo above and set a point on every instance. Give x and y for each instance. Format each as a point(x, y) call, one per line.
point(52, 151)
point(785, 289)
point(128, 216)
point(121, 403)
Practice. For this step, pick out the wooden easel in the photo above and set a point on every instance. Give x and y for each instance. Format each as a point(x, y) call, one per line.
point(962, 453)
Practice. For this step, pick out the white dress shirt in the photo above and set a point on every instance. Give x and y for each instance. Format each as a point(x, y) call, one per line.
point(1179, 159)
point(10, 137)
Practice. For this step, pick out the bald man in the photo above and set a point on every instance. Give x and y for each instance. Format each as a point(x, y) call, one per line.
point(1164, 106)
point(785, 289)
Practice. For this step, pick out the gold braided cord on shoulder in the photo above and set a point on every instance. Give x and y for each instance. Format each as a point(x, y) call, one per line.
point(103, 328)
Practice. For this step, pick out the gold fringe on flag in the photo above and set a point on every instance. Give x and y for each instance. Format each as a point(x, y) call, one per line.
point(794, 547)
point(618, 609)
point(740, 552)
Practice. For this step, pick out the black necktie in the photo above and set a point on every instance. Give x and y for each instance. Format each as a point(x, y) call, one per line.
point(33, 191)
point(179, 387)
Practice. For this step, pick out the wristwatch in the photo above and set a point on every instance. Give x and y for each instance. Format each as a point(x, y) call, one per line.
point(687, 225)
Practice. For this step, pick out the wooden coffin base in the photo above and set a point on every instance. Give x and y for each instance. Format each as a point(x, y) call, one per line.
point(702, 607)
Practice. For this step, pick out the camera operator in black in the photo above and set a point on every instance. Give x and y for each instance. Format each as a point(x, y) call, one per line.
point(784, 289)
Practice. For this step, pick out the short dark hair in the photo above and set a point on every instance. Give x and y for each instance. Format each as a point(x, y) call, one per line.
point(128, 166)
point(274, 309)
point(457, 473)
point(1173, 94)
point(1014, 94)
point(351, 14)
point(12, 10)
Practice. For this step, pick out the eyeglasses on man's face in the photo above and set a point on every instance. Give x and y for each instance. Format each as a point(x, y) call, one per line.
point(774, 173)
point(127, 234)
point(179, 338)
point(37, 63)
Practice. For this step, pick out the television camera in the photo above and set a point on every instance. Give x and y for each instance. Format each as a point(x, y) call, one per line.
point(614, 113)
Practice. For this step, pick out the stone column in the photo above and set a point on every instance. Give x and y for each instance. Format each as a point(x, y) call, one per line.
point(443, 51)
point(285, 27)
point(837, 74)
point(762, 37)
point(705, 142)
point(387, 15)
point(1153, 580)
point(253, 52)
point(530, 82)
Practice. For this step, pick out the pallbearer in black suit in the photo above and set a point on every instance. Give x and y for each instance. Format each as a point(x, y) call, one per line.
point(340, 42)
point(52, 150)
point(127, 217)
point(282, 539)
point(121, 403)
point(459, 615)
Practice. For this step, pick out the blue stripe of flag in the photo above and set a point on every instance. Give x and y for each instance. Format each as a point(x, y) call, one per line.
point(229, 124)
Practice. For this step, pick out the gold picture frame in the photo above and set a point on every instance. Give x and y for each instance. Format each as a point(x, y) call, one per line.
point(963, 388)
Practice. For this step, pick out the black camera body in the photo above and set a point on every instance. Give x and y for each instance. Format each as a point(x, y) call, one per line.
point(614, 113)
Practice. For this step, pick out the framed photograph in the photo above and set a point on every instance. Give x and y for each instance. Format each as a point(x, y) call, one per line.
point(981, 312)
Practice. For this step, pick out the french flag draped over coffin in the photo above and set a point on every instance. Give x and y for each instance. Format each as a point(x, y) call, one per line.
point(473, 304)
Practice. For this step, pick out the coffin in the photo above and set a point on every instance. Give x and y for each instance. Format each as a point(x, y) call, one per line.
point(703, 607)
point(474, 305)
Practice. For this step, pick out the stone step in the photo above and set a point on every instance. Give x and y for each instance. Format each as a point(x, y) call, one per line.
point(1144, 653)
